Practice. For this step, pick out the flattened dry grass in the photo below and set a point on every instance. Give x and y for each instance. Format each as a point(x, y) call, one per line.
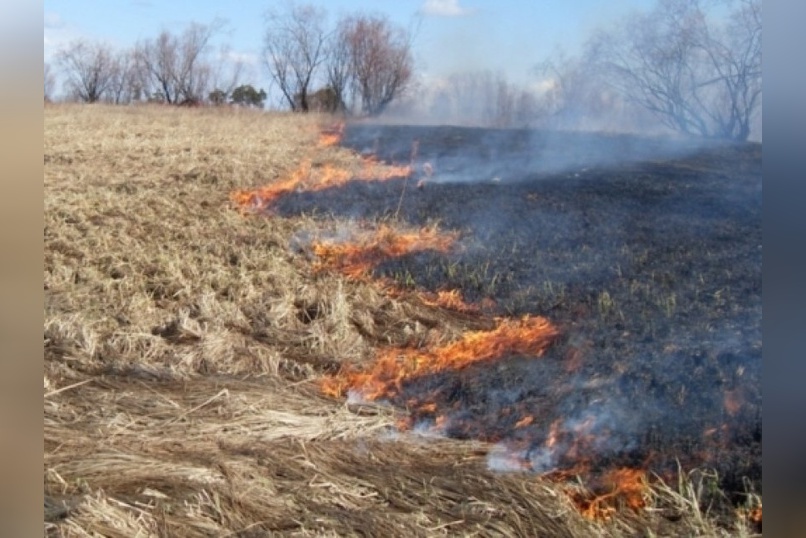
point(184, 341)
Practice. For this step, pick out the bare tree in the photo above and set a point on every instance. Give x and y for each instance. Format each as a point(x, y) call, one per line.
point(381, 62)
point(50, 82)
point(696, 76)
point(159, 59)
point(194, 73)
point(227, 72)
point(338, 63)
point(176, 66)
point(575, 95)
point(89, 68)
point(527, 110)
point(295, 43)
point(141, 84)
point(481, 98)
point(122, 87)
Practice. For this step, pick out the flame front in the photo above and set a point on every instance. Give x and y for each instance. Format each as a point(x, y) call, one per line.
point(308, 178)
point(331, 136)
point(530, 336)
point(569, 445)
point(355, 259)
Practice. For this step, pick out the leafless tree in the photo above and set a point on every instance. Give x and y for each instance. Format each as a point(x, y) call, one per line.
point(141, 83)
point(697, 76)
point(159, 60)
point(176, 65)
point(481, 98)
point(227, 71)
point(89, 69)
point(527, 110)
point(574, 93)
point(122, 87)
point(338, 63)
point(50, 82)
point(294, 47)
point(381, 62)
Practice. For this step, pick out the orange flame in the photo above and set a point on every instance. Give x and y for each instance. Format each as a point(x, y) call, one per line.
point(356, 259)
point(268, 194)
point(314, 179)
point(449, 299)
point(331, 136)
point(628, 488)
point(307, 178)
point(372, 169)
point(754, 515)
point(530, 336)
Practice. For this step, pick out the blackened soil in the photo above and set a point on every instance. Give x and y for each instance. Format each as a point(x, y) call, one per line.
point(647, 254)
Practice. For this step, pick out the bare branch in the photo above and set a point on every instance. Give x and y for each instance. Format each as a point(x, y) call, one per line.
point(696, 76)
point(294, 47)
point(381, 62)
point(89, 68)
point(177, 67)
point(50, 82)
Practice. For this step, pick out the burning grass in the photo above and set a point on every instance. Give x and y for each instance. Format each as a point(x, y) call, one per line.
point(358, 256)
point(185, 346)
point(306, 178)
point(393, 367)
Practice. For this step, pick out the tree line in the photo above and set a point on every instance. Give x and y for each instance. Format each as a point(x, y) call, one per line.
point(360, 65)
point(676, 64)
point(172, 68)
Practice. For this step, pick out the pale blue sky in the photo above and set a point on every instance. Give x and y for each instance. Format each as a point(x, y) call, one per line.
point(454, 35)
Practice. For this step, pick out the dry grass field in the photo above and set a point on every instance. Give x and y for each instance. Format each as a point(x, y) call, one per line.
point(187, 341)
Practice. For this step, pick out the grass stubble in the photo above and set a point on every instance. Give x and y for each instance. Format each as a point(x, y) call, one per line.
point(184, 342)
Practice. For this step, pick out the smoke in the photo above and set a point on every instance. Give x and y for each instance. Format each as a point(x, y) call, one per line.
point(462, 155)
point(572, 100)
point(644, 251)
point(625, 78)
point(599, 431)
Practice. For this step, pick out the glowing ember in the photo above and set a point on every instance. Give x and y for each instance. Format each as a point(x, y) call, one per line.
point(733, 401)
point(525, 421)
point(530, 336)
point(357, 258)
point(754, 515)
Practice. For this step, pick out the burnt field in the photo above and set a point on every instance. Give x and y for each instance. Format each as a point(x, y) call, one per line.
point(645, 253)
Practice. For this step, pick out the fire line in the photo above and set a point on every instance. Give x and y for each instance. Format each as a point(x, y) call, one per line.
point(530, 336)
point(394, 367)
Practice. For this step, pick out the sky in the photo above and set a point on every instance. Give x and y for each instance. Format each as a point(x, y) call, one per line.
point(510, 36)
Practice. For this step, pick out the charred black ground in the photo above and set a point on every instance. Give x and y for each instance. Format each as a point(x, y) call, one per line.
point(646, 252)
